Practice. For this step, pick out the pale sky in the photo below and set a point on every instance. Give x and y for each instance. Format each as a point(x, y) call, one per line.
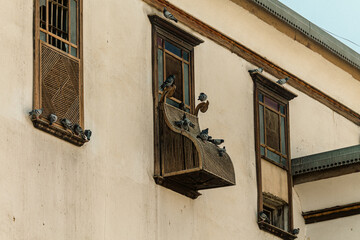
point(341, 17)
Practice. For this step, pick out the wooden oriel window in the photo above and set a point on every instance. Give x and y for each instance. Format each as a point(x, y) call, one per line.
point(58, 65)
point(273, 162)
point(172, 54)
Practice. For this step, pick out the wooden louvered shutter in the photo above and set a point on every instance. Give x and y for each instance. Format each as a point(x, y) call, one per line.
point(60, 85)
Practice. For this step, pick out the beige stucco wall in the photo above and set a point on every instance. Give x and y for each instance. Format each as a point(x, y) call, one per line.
point(104, 190)
point(334, 191)
point(344, 228)
point(274, 180)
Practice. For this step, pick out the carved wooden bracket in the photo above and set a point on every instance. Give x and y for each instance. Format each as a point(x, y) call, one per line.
point(203, 107)
point(188, 163)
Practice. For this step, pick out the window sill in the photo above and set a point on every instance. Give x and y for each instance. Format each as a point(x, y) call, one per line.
point(276, 231)
point(57, 131)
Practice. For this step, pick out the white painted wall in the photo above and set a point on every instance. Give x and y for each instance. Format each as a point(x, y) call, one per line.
point(51, 189)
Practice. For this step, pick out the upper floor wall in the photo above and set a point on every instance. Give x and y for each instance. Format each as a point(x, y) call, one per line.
point(105, 188)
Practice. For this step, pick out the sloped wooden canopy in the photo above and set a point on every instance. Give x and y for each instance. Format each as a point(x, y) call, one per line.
point(188, 163)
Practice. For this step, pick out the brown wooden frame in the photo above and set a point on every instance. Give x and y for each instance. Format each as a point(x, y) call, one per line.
point(68, 41)
point(167, 30)
point(42, 123)
point(331, 213)
point(265, 146)
point(183, 61)
point(283, 96)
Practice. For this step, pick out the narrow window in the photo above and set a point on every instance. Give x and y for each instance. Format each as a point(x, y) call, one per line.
point(58, 87)
point(273, 163)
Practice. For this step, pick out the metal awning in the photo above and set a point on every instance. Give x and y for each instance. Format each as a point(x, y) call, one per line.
point(326, 160)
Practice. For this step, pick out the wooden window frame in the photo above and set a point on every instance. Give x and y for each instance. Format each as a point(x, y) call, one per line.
point(167, 30)
point(183, 61)
point(280, 100)
point(283, 96)
point(42, 123)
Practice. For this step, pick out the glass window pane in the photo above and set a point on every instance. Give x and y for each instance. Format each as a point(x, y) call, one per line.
point(65, 47)
point(73, 18)
point(186, 56)
point(171, 102)
point(172, 48)
point(261, 97)
point(43, 14)
point(65, 26)
point(262, 151)
point(159, 42)
point(272, 129)
point(261, 118)
point(283, 161)
point(282, 109)
point(42, 36)
point(174, 67)
point(283, 140)
point(74, 51)
point(160, 67)
point(186, 83)
point(271, 103)
point(273, 156)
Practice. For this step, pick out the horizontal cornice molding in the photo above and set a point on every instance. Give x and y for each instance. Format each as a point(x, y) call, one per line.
point(331, 213)
point(305, 32)
point(256, 59)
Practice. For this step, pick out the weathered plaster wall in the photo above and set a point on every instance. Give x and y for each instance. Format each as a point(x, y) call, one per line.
point(104, 190)
point(332, 192)
point(343, 228)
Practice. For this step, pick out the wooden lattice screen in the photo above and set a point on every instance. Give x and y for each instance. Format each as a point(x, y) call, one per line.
point(59, 81)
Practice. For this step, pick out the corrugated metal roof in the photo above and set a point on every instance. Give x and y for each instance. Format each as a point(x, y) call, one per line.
point(326, 160)
point(312, 31)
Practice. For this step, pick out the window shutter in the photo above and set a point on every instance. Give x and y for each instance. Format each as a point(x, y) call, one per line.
point(60, 85)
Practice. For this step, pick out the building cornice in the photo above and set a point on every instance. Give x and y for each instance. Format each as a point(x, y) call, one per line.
point(305, 32)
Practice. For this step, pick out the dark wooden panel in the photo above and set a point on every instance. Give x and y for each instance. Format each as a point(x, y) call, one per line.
point(331, 213)
point(272, 129)
point(190, 154)
point(174, 66)
point(172, 151)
